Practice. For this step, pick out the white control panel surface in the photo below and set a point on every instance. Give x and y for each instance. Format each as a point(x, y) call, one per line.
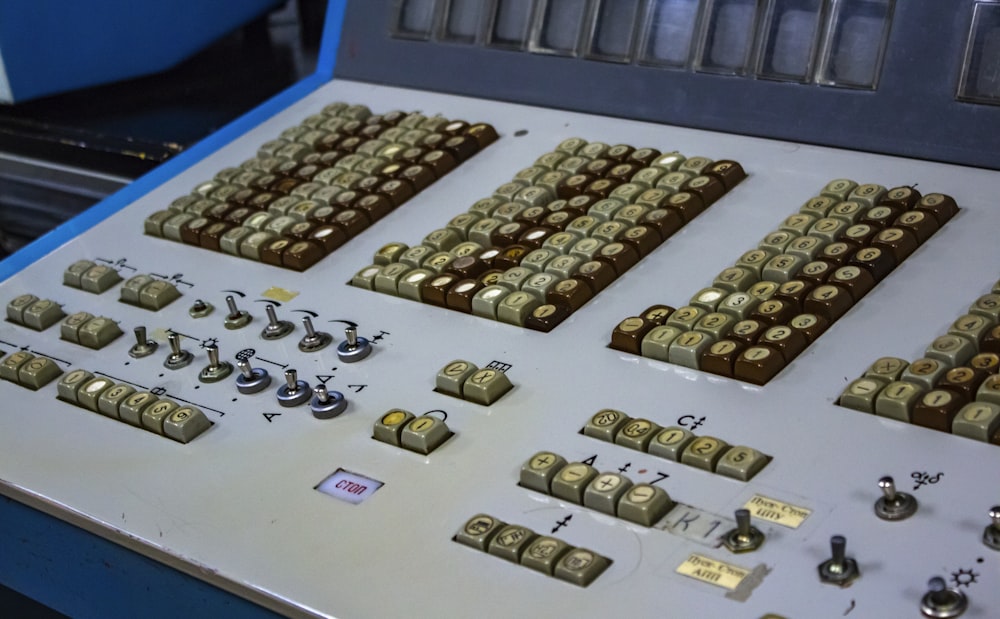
point(239, 507)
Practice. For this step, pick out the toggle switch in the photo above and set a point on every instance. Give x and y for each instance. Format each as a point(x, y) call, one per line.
point(839, 569)
point(143, 347)
point(327, 404)
point(251, 380)
point(354, 348)
point(275, 329)
point(894, 505)
point(200, 309)
point(745, 537)
point(216, 370)
point(236, 318)
point(178, 357)
point(941, 602)
point(313, 340)
point(991, 535)
point(294, 391)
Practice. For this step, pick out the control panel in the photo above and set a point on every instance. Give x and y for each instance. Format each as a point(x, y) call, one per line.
point(394, 351)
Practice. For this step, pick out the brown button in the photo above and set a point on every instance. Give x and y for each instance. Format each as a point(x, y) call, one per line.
point(620, 256)
point(510, 257)
point(597, 275)
point(941, 206)
point(483, 133)
point(573, 185)
point(727, 171)
point(546, 317)
point(988, 362)
point(569, 293)
point(707, 187)
point(857, 281)
point(439, 161)
point(351, 221)
point(393, 169)
point(937, 409)
point(558, 220)
point(490, 277)
point(434, 141)
point(837, 253)
point(602, 187)
point(237, 215)
point(623, 171)
point(435, 289)
point(720, 357)
point(599, 167)
point(666, 221)
point(191, 231)
point(815, 272)
point(534, 237)
point(786, 340)
point(352, 127)
point(829, 301)
point(211, 235)
point(273, 251)
point(875, 260)
point(508, 233)
point(468, 267)
point(396, 190)
point(420, 176)
point(328, 236)
point(461, 147)
point(809, 325)
point(921, 223)
point(657, 314)
point(285, 185)
point(758, 364)
point(460, 295)
point(324, 214)
point(774, 312)
point(375, 206)
point(861, 233)
point(455, 127)
point(904, 198)
point(307, 172)
point(687, 204)
point(991, 341)
point(288, 168)
point(963, 380)
point(370, 183)
point(302, 254)
point(627, 335)
point(262, 200)
point(413, 155)
point(330, 158)
point(618, 152)
point(899, 242)
point(371, 130)
point(644, 156)
point(881, 216)
point(747, 331)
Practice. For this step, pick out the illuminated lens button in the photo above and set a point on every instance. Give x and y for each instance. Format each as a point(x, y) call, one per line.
point(937, 409)
point(544, 553)
point(109, 401)
point(37, 373)
point(130, 409)
point(920, 223)
point(627, 336)
point(977, 420)
point(185, 423)
point(486, 386)
point(572, 480)
point(424, 434)
point(546, 317)
point(486, 301)
point(435, 290)
point(741, 463)
point(390, 426)
point(510, 541)
point(720, 357)
point(478, 531)
point(861, 393)
point(68, 388)
point(636, 434)
point(539, 471)
point(604, 492)
point(670, 442)
point(42, 314)
point(886, 368)
point(758, 364)
point(154, 415)
point(704, 452)
point(460, 295)
point(941, 206)
point(452, 376)
point(88, 395)
point(644, 504)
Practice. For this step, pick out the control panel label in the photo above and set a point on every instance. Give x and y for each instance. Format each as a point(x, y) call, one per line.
point(348, 486)
point(778, 512)
point(713, 572)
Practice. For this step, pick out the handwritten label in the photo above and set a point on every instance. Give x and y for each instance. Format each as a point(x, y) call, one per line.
point(725, 575)
point(778, 512)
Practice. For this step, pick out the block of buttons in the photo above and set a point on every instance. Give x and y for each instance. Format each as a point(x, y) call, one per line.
point(564, 228)
point(760, 313)
point(542, 553)
point(319, 184)
point(954, 387)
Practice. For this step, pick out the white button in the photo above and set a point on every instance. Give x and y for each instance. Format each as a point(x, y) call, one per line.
point(348, 486)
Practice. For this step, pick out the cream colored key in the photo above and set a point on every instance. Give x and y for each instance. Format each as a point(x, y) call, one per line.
point(704, 452)
point(897, 400)
point(860, 394)
point(539, 471)
point(37, 373)
point(486, 386)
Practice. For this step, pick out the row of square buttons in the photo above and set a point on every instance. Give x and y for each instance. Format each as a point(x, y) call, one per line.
point(542, 553)
point(610, 493)
point(143, 291)
point(80, 328)
point(402, 428)
point(25, 369)
point(463, 379)
point(141, 409)
point(954, 387)
point(319, 184)
point(759, 314)
point(676, 443)
point(559, 233)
